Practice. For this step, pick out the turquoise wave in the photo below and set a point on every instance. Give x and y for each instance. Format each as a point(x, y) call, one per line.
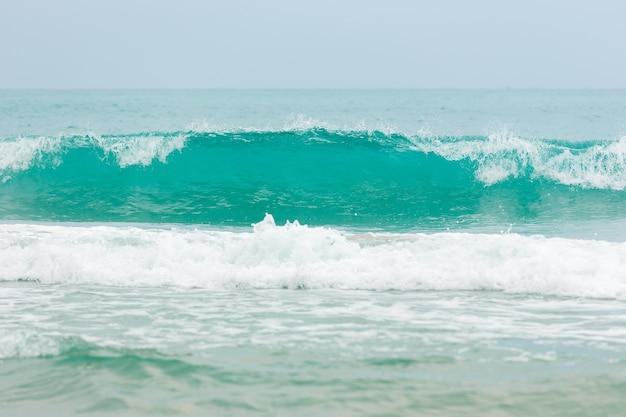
point(368, 179)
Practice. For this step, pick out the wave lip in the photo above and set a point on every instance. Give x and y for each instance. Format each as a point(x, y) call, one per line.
point(599, 166)
point(20, 154)
point(296, 256)
point(23, 153)
point(502, 155)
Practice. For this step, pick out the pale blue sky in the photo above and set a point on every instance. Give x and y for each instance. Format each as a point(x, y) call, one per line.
point(312, 44)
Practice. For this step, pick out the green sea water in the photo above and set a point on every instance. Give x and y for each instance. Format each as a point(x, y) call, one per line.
point(312, 253)
point(160, 352)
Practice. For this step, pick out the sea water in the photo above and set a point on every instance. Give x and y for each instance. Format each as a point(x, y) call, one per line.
point(287, 253)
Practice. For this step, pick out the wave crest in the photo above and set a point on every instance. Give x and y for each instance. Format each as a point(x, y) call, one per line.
point(20, 154)
point(503, 155)
point(140, 150)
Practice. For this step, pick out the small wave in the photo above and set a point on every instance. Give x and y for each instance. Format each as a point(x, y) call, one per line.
point(297, 256)
point(32, 344)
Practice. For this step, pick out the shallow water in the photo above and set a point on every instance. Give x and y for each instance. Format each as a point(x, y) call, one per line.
point(192, 351)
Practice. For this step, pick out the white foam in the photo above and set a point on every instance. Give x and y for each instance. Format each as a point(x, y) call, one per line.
point(300, 122)
point(20, 154)
point(27, 344)
point(140, 150)
point(295, 256)
point(600, 166)
point(296, 123)
point(504, 155)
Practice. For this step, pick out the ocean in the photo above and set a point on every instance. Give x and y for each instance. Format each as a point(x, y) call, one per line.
point(312, 253)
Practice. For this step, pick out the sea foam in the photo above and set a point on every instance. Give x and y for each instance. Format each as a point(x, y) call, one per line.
point(22, 153)
point(296, 256)
point(140, 150)
point(504, 155)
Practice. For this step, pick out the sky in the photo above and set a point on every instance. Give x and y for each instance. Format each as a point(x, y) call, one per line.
point(312, 44)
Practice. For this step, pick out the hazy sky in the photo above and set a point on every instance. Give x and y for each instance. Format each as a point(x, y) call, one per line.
point(313, 44)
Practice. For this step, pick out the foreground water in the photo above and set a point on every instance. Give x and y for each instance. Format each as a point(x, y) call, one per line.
point(307, 253)
point(82, 349)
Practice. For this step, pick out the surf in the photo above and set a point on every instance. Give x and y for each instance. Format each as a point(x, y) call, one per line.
point(295, 256)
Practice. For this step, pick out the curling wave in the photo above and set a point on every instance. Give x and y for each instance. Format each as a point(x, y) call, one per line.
point(355, 178)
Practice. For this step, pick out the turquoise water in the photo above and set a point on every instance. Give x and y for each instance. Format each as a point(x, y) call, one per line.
point(312, 252)
point(364, 179)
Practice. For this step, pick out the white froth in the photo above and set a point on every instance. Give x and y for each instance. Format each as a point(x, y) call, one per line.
point(504, 155)
point(27, 344)
point(295, 123)
point(600, 166)
point(22, 153)
point(300, 122)
point(140, 150)
point(295, 256)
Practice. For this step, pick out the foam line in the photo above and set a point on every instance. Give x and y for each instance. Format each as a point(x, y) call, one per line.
point(296, 256)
